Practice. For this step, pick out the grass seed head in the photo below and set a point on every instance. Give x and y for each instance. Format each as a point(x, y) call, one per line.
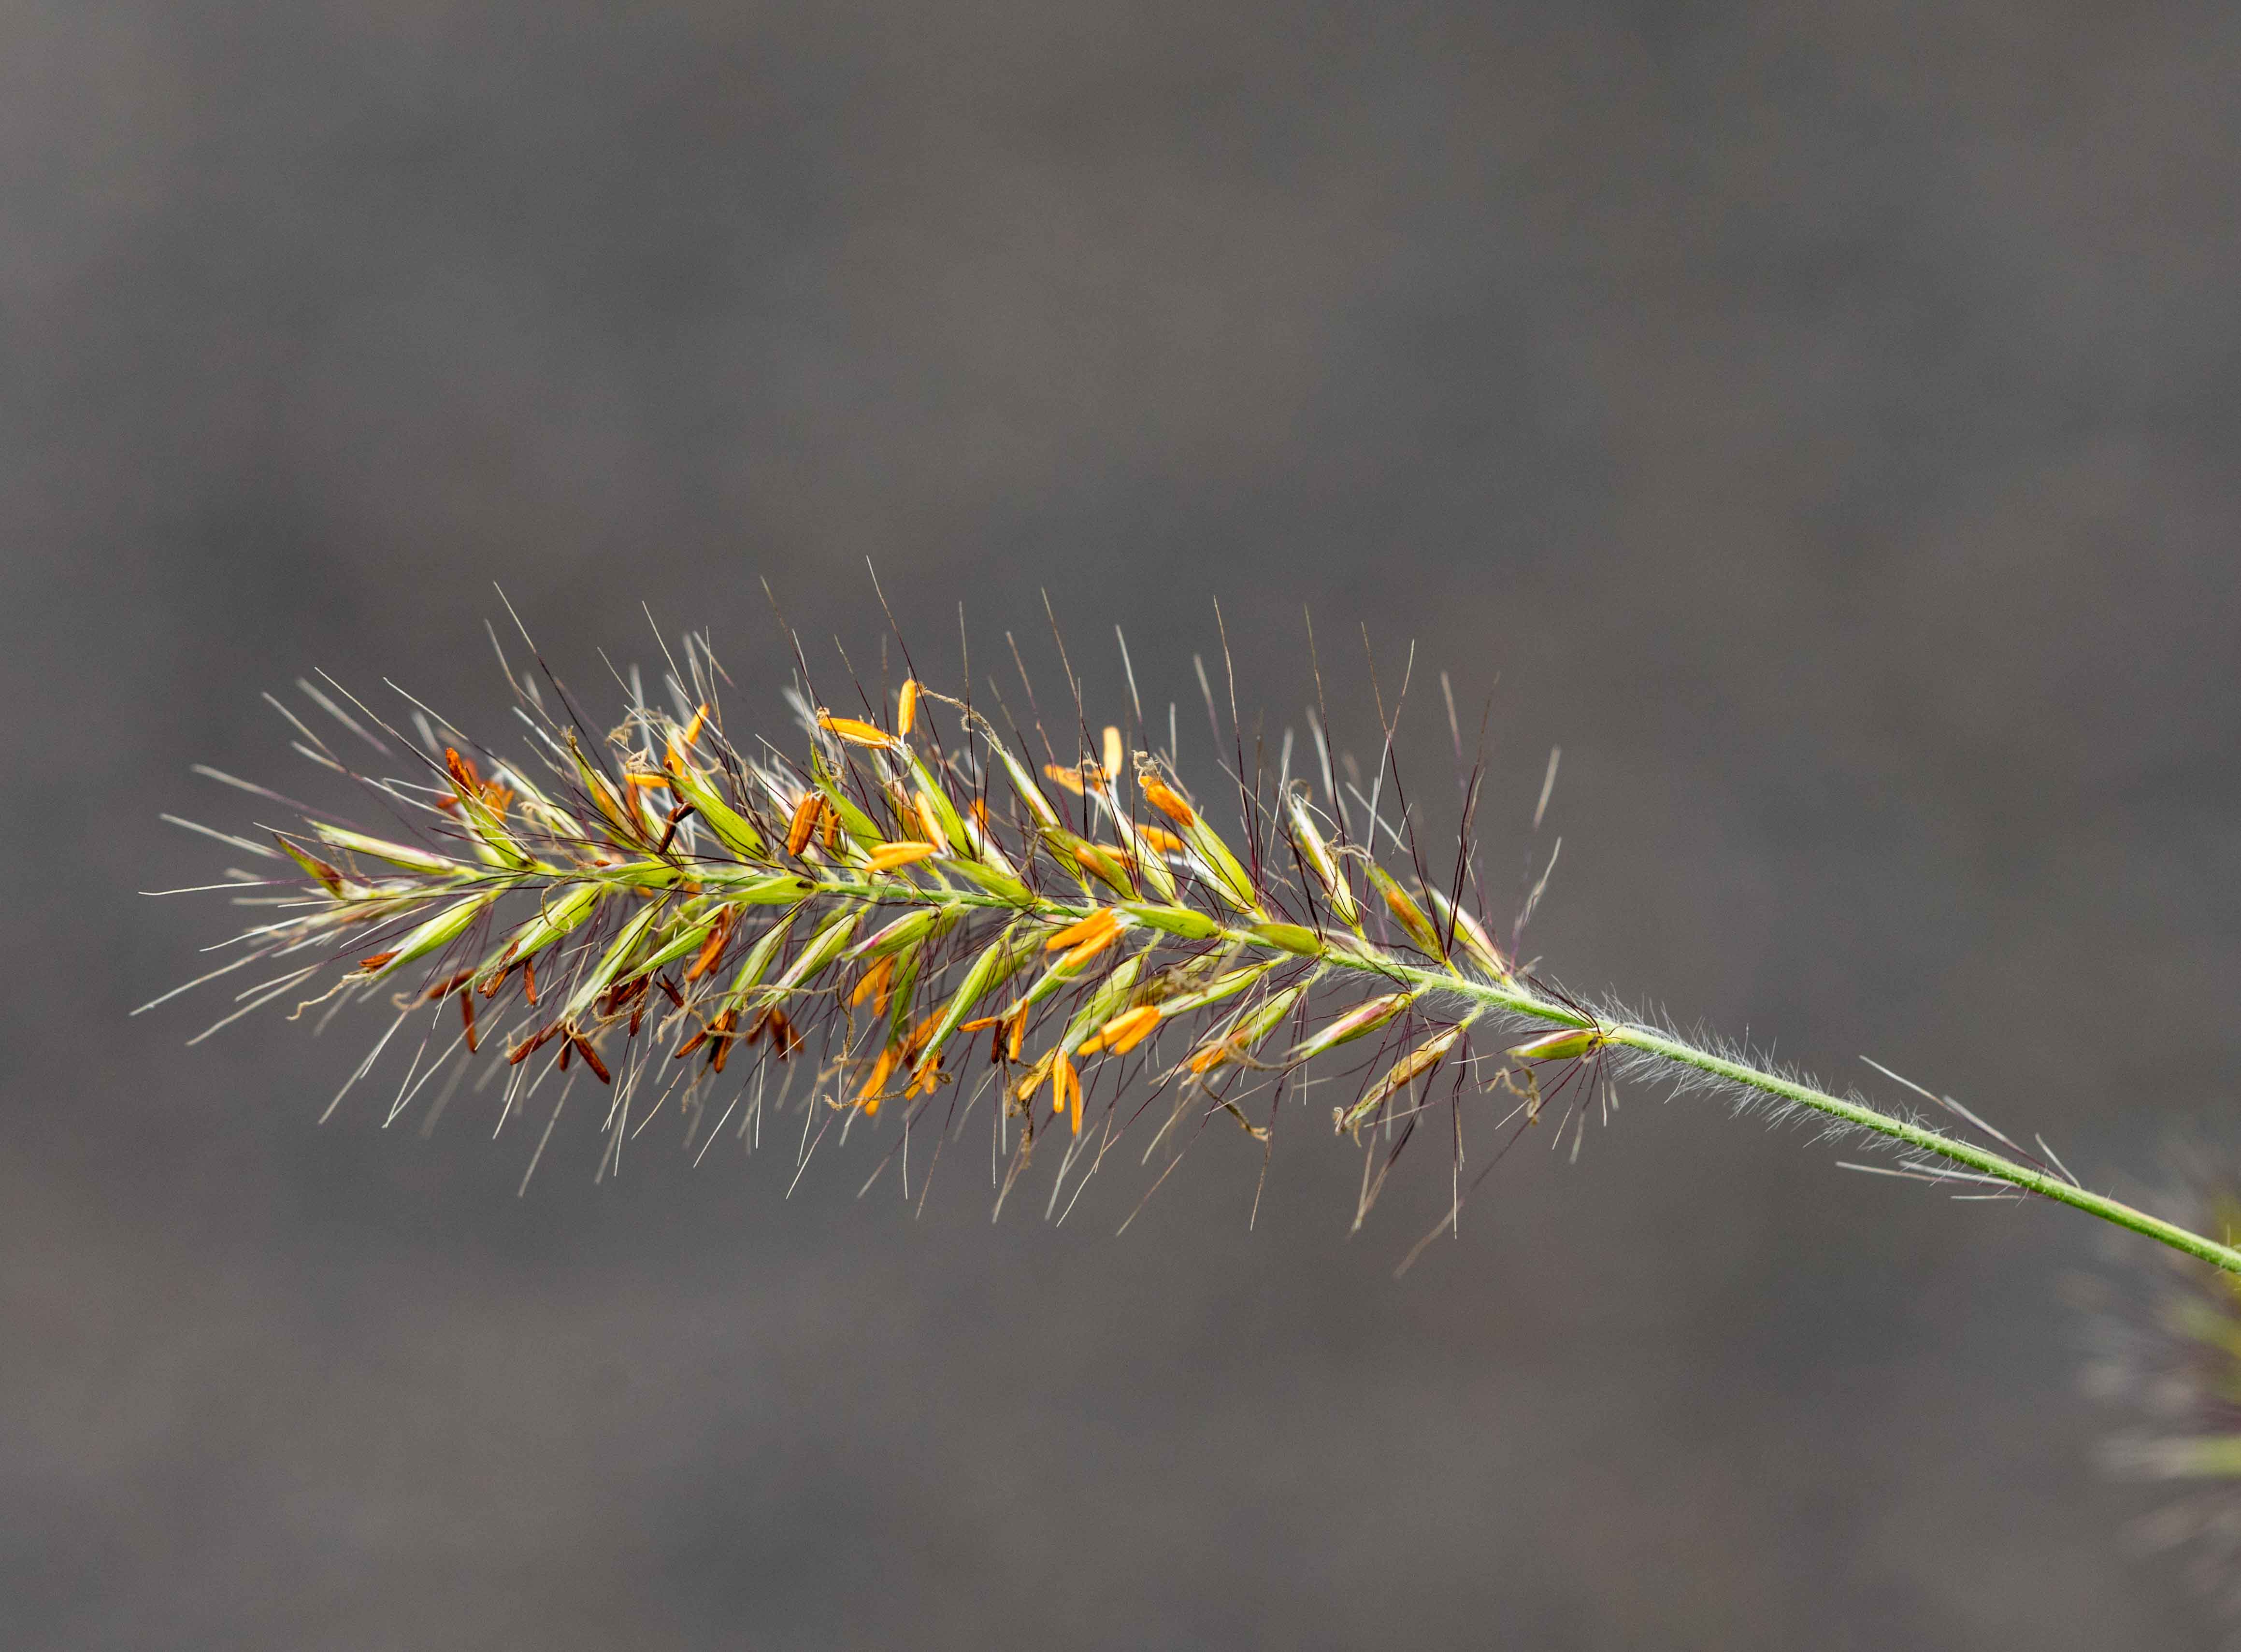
point(672, 885)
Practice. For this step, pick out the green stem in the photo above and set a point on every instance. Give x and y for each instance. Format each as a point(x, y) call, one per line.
point(1981, 1160)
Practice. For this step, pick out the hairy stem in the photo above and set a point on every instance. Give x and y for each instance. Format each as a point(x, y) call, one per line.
point(1980, 1160)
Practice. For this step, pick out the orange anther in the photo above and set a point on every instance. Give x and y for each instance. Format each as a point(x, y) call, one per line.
point(868, 1098)
point(1105, 861)
point(1162, 797)
point(463, 772)
point(874, 980)
point(798, 831)
point(1125, 1031)
point(1069, 1090)
point(855, 732)
point(1101, 923)
point(713, 948)
point(888, 857)
point(1090, 948)
point(1209, 1056)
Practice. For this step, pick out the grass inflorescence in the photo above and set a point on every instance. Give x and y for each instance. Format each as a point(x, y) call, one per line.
point(913, 911)
point(2164, 1342)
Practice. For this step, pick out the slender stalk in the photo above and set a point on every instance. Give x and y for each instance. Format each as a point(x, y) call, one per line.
point(2027, 1177)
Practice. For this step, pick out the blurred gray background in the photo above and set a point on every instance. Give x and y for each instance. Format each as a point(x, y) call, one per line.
point(1821, 421)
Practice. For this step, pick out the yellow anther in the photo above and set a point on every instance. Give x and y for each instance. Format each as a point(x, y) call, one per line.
point(888, 857)
point(855, 732)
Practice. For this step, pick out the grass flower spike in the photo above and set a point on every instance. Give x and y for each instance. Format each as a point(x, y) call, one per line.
point(629, 906)
point(2165, 1347)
